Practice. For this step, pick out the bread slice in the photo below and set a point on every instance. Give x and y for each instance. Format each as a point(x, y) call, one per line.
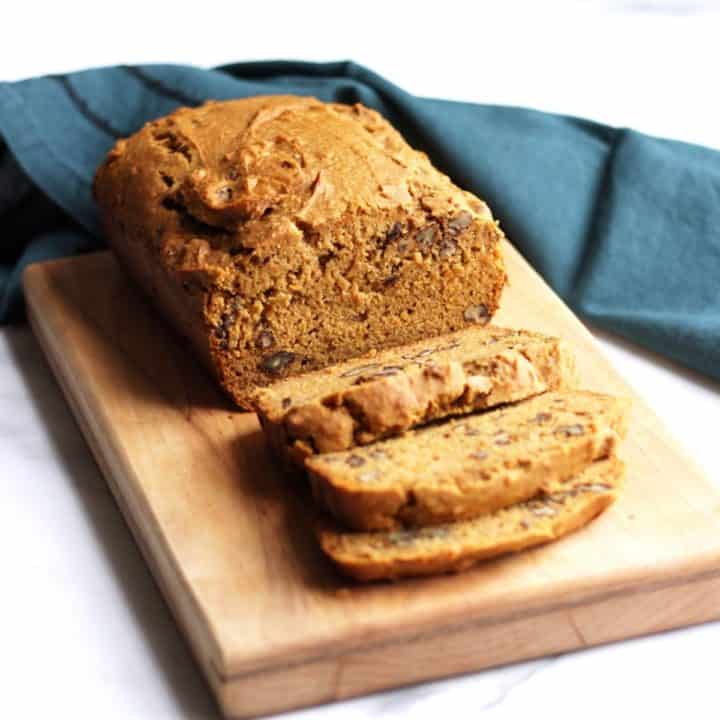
point(471, 465)
point(457, 546)
point(383, 394)
point(281, 234)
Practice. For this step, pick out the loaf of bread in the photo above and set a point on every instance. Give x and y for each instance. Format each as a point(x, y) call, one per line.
point(382, 394)
point(471, 465)
point(281, 234)
point(565, 507)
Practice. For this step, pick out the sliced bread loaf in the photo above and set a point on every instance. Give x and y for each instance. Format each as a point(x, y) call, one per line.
point(468, 466)
point(457, 546)
point(384, 394)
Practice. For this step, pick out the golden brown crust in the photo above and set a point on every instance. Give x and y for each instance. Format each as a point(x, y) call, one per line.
point(453, 547)
point(282, 234)
point(383, 394)
point(469, 466)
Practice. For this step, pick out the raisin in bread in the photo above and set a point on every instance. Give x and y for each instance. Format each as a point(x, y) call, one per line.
point(383, 394)
point(452, 547)
point(281, 234)
point(468, 466)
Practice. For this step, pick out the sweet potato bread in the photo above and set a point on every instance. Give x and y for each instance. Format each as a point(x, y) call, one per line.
point(462, 468)
point(452, 547)
point(281, 234)
point(385, 393)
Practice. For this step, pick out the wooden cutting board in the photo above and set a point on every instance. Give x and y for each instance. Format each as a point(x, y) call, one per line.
point(272, 624)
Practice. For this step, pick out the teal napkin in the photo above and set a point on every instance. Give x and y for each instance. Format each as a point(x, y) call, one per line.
point(625, 227)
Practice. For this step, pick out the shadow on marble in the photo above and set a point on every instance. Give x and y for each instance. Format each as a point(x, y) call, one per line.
point(182, 677)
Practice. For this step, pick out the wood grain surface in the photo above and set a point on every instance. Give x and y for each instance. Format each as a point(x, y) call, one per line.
point(271, 622)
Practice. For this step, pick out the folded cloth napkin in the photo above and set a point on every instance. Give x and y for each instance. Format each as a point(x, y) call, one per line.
point(625, 227)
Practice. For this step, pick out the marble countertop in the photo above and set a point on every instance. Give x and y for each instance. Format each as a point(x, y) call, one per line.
point(83, 626)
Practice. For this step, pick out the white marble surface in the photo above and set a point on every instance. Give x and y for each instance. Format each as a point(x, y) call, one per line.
point(84, 630)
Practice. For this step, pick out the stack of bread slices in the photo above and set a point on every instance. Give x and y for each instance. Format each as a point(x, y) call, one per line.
point(432, 456)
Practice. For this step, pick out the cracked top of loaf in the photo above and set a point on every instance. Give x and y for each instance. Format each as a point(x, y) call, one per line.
point(251, 173)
